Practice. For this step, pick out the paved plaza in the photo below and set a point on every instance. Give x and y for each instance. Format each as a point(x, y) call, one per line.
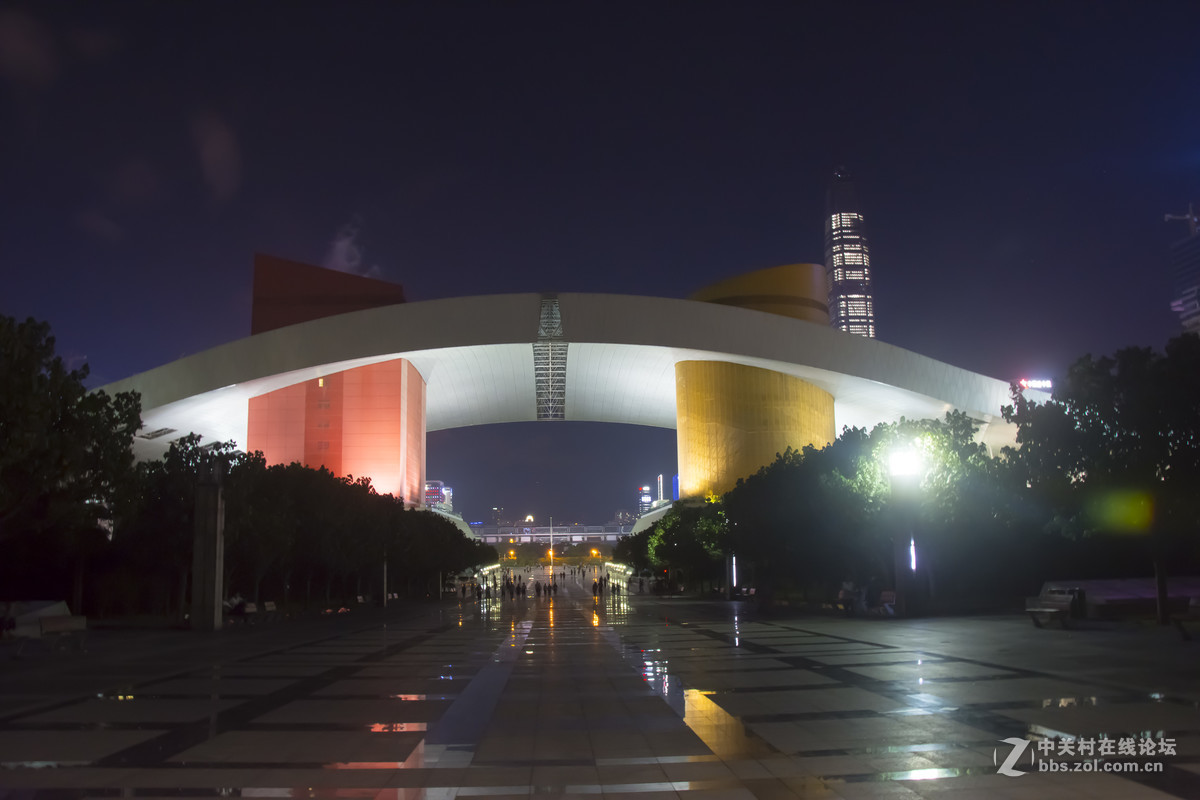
point(632, 697)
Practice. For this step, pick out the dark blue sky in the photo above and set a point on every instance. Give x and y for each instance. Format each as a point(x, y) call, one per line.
point(1013, 161)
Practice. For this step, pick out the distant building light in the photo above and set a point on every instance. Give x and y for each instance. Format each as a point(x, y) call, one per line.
point(1029, 383)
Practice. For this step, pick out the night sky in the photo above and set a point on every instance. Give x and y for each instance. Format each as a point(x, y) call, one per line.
point(1013, 162)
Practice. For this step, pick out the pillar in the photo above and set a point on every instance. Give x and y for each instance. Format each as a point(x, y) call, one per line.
point(208, 552)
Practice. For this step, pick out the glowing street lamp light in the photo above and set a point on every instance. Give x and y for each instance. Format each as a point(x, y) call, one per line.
point(905, 462)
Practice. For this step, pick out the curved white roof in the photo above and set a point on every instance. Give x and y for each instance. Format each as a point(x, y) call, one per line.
point(477, 357)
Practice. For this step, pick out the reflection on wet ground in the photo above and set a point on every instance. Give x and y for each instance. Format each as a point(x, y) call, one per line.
point(573, 694)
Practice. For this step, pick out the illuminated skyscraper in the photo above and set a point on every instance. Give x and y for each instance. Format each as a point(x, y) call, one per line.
point(1185, 273)
point(439, 497)
point(645, 499)
point(847, 261)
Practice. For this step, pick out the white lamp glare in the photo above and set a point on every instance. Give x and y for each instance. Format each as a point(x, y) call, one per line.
point(904, 462)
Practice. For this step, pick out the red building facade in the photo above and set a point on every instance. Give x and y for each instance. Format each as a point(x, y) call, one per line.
point(367, 421)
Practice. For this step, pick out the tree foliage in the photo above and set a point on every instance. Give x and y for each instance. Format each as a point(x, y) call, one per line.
point(1116, 426)
point(1117, 448)
point(816, 517)
point(291, 532)
point(64, 452)
point(67, 470)
point(634, 550)
point(690, 543)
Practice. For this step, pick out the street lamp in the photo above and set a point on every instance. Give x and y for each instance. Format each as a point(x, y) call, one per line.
point(905, 465)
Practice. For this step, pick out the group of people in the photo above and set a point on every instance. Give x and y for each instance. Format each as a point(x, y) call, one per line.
point(601, 585)
point(513, 585)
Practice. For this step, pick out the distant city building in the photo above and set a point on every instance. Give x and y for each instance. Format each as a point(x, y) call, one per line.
point(523, 533)
point(847, 261)
point(1185, 273)
point(497, 516)
point(645, 499)
point(439, 497)
point(623, 517)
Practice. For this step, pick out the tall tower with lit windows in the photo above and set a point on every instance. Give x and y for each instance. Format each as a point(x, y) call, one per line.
point(1185, 269)
point(847, 260)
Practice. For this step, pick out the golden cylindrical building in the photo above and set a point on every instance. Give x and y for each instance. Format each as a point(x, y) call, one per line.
point(792, 290)
point(732, 419)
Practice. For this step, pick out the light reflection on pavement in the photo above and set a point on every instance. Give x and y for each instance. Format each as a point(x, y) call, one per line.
point(569, 694)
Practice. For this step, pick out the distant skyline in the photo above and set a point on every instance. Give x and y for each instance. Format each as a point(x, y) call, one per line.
point(1013, 163)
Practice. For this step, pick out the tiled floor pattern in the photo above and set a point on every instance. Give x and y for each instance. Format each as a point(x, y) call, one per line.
point(633, 698)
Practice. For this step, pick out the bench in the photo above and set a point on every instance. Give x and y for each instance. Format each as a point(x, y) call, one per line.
point(247, 614)
point(887, 604)
point(62, 629)
point(1180, 621)
point(1050, 607)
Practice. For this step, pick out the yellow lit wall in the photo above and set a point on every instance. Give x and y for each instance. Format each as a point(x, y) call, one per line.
point(733, 419)
point(792, 290)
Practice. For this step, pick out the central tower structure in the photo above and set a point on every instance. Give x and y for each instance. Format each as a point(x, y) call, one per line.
point(847, 261)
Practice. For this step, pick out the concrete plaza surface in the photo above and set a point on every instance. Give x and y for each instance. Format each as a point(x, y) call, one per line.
point(626, 696)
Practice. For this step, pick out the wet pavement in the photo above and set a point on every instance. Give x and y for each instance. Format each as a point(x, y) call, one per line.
point(625, 696)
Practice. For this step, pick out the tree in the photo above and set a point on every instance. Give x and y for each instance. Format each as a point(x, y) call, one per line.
point(815, 517)
point(1117, 449)
point(634, 550)
point(156, 528)
point(260, 521)
point(801, 520)
point(690, 539)
point(64, 452)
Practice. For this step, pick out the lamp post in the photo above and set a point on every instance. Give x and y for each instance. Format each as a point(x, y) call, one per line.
point(551, 549)
point(905, 465)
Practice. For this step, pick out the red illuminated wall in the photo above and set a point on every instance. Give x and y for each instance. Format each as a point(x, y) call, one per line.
point(289, 292)
point(368, 421)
